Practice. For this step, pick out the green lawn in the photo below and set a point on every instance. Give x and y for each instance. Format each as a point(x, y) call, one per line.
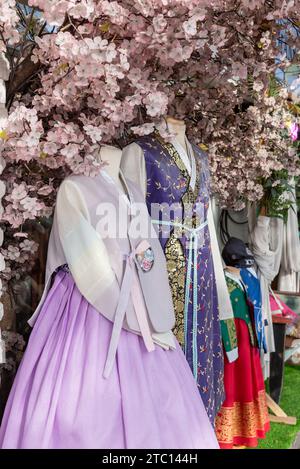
point(282, 436)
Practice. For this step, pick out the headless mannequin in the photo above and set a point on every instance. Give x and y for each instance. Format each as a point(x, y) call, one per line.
point(178, 128)
point(133, 163)
point(181, 144)
point(133, 166)
point(233, 270)
point(111, 156)
point(235, 274)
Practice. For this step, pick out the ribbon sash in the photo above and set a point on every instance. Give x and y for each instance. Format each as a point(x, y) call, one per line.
point(130, 287)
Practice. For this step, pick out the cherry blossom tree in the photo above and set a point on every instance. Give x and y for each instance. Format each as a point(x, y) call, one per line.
point(89, 72)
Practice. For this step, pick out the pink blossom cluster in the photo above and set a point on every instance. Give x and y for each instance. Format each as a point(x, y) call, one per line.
point(19, 259)
point(106, 71)
point(22, 205)
point(9, 20)
point(294, 131)
point(249, 149)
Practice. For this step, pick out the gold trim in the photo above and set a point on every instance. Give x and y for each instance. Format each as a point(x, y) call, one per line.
point(243, 420)
point(176, 271)
point(232, 333)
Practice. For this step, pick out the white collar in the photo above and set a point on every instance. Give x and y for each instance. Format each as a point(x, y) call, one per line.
point(234, 277)
point(188, 159)
point(253, 272)
point(123, 196)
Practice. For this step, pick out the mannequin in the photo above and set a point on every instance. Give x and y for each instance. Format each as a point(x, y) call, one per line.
point(174, 174)
point(183, 146)
point(233, 270)
point(177, 127)
point(135, 166)
point(243, 417)
point(111, 157)
point(102, 368)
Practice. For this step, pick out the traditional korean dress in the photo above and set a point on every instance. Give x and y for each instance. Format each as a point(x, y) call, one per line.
point(243, 417)
point(178, 201)
point(102, 369)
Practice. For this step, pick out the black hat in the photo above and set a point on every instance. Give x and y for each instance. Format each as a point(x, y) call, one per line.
point(237, 254)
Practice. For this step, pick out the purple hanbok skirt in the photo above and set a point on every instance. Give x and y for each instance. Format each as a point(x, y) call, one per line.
point(60, 399)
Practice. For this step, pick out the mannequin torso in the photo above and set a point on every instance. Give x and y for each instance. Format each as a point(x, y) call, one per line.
point(161, 167)
point(182, 145)
point(235, 274)
point(233, 270)
point(111, 156)
point(177, 127)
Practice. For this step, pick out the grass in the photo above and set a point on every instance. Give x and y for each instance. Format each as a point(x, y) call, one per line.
point(283, 436)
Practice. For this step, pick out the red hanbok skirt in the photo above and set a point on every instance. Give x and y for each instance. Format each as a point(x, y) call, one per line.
point(243, 417)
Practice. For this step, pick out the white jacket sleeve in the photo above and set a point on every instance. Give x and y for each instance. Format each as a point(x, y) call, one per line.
point(83, 247)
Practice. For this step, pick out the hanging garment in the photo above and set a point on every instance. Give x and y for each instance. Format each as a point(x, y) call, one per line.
point(243, 417)
point(278, 307)
point(180, 210)
point(266, 236)
point(93, 379)
point(289, 275)
point(253, 292)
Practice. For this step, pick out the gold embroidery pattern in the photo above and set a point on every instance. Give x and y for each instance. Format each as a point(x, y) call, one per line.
point(232, 337)
point(253, 340)
point(176, 271)
point(244, 420)
point(231, 286)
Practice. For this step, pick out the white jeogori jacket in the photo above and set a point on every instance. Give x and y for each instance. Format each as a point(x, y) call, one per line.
point(115, 258)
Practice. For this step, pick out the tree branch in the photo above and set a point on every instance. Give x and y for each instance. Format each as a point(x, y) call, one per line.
point(25, 71)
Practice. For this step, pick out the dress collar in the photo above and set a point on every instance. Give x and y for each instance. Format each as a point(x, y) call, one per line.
point(126, 196)
point(185, 161)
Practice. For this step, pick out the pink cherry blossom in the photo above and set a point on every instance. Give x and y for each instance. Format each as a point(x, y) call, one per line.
point(19, 192)
point(294, 131)
point(70, 151)
point(143, 129)
point(102, 72)
point(20, 234)
point(156, 103)
point(45, 190)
